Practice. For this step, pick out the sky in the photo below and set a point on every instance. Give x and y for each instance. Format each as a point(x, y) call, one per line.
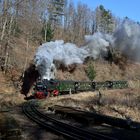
point(119, 8)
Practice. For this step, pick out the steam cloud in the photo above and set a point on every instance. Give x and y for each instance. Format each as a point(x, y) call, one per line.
point(126, 38)
point(66, 53)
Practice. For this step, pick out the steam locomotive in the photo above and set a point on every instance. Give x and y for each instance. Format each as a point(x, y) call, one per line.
point(45, 88)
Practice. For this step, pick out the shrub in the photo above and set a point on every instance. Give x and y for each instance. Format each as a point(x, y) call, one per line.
point(90, 71)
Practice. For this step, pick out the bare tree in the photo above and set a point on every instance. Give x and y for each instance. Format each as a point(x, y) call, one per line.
point(4, 18)
point(59, 19)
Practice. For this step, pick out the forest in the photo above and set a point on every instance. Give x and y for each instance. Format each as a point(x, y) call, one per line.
point(25, 24)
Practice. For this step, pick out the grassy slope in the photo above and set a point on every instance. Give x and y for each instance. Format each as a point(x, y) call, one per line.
point(126, 103)
point(118, 103)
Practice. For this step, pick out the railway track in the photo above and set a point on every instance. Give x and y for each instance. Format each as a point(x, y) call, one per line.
point(67, 130)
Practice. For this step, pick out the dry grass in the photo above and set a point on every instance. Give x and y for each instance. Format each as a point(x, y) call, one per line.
point(78, 74)
point(8, 95)
point(118, 103)
point(104, 71)
point(134, 83)
point(10, 99)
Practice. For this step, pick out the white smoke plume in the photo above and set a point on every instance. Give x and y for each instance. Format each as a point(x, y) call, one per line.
point(67, 53)
point(96, 44)
point(126, 38)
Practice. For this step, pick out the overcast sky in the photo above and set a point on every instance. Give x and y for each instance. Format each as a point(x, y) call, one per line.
point(120, 8)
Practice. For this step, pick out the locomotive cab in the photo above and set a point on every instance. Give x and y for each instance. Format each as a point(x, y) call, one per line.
point(45, 88)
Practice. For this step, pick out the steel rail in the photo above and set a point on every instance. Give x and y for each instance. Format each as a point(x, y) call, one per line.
point(67, 130)
point(27, 111)
point(74, 128)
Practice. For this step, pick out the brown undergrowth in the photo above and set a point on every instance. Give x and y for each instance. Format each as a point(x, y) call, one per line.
point(123, 103)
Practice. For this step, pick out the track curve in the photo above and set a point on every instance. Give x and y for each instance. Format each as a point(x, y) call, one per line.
point(69, 131)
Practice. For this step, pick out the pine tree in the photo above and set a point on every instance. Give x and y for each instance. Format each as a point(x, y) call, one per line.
point(56, 12)
point(104, 20)
point(47, 32)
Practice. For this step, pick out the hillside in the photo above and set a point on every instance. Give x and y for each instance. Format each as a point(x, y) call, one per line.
point(118, 103)
point(104, 71)
point(74, 42)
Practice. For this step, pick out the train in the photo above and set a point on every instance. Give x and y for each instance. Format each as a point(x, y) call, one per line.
point(46, 88)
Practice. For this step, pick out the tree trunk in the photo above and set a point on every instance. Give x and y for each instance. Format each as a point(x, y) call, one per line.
point(10, 26)
point(26, 59)
point(45, 34)
point(3, 29)
point(6, 61)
